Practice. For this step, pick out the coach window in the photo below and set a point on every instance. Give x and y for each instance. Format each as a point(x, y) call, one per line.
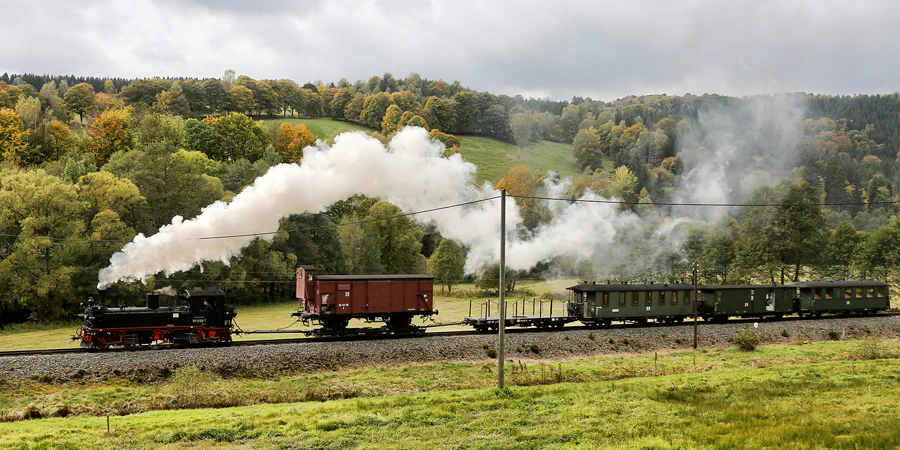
point(752, 294)
point(675, 297)
point(881, 291)
point(870, 292)
point(817, 294)
point(634, 297)
point(648, 298)
point(827, 293)
point(848, 293)
point(605, 298)
point(621, 298)
point(662, 298)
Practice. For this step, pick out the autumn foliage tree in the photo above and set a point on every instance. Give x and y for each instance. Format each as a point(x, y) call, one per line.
point(13, 136)
point(290, 141)
point(110, 132)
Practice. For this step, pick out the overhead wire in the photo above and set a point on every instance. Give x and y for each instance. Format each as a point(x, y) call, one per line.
point(714, 205)
point(457, 205)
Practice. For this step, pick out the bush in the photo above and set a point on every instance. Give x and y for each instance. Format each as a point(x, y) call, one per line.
point(591, 336)
point(491, 352)
point(536, 349)
point(746, 340)
point(626, 341)
point(834, 335)
point(784, 332)
point(871, 348)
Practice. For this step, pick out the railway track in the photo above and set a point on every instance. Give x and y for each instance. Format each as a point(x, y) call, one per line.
point(305, 340)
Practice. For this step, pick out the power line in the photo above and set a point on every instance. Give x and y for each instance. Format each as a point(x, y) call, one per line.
point(715, 205)
point(358, 222)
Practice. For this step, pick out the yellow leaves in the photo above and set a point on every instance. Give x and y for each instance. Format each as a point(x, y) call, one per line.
point(290, 141)
point(13, 136)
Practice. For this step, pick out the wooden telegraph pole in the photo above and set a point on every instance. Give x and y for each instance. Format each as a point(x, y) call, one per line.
point(502, 319)
point(696, 266)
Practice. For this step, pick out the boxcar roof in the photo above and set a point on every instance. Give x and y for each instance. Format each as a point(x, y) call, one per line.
point(836, 283)
point(374, 277)
point(629, 287)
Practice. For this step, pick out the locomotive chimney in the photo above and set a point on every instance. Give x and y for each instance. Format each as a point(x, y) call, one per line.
point(101, 297)
point(153, 300)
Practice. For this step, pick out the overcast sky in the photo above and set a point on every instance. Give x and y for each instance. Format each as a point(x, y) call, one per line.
point(601, 49)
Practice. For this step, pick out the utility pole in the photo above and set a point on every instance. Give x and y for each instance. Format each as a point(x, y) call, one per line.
point(696, 266)
point(502, 319)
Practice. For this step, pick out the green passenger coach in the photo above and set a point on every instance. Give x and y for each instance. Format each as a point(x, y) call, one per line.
point(601, 304)
point(718, 303)
point(818, 297)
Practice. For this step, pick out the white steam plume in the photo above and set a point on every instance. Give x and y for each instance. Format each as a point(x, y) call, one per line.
point(410, 173)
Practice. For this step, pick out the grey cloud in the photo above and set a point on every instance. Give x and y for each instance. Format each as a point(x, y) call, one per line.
point(600, 49)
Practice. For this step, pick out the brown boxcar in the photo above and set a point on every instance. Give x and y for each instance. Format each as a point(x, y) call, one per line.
point(333, 300)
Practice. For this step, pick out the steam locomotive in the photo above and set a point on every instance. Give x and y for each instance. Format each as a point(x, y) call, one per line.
point(196, 316)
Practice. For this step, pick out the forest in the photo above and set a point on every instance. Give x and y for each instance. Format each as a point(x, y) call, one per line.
point(88, 163)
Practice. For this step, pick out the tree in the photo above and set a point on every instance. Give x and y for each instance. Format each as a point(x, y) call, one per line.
point(523, 182)
point(406, 101)
point(238, 137)
point(54, 139)
point(799, 228)
point(361, 247)
point(40, 273)
point(215, 96)
point(160, 129)
point(29, 109)
point(588, 148)
point(374, 109)
point(390, 123)
point(521, 125)
point(174, 184)
point(399, 239)
point(200, 136)
point(110, 132)
point(844, 245)
point(79, 99)
point(290, 141)
point(314, 240)
point(440, 113)
point(416, 121)
point(243, 99)
point(448, 263)
point(103, 191)
point(13, 136)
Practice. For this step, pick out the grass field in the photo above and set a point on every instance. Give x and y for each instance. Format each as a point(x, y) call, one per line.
point(322, 128)
point(777, 397)
point(452, 308)
point(494, 158)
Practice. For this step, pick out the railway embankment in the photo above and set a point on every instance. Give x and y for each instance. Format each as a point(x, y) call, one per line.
point(276, 359)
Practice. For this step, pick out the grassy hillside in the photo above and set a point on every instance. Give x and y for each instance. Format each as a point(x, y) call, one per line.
point(493, 158)
point(323, 128)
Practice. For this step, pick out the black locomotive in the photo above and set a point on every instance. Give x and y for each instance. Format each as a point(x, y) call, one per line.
point(195, 316)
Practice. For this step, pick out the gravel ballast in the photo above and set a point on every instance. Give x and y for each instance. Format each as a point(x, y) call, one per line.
point(269, 360)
